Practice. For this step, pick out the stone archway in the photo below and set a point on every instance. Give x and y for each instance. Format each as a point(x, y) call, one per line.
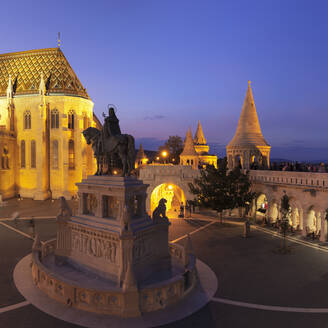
point(173, 194)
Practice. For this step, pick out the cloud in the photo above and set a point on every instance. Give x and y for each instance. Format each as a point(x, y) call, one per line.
point(154, 117)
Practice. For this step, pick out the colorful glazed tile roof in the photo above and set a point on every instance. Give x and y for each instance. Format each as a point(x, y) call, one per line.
point(25, 69)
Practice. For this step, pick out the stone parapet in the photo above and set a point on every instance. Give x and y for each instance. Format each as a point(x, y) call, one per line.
point(112, 300)
point(302, 179)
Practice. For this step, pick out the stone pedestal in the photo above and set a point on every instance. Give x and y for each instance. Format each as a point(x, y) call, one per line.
point(111, 257)
point(112, 230)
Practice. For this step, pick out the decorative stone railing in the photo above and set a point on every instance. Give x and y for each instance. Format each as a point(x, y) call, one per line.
point(178, 252)
point(302, 179)
point(48, 247)
point(151, 298)
point(151, 171)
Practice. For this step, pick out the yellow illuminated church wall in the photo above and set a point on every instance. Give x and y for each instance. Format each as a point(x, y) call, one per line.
point(50, 176)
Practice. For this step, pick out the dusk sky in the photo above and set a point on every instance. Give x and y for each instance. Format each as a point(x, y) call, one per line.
point(167, 64)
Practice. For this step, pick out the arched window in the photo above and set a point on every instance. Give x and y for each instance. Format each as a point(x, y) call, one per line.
point(55, 119)
point(33, 154)
point(85, 122)
point(55, 154)
point(71, 155)
point(23, 165)
point(71, 119)
point(27, 119)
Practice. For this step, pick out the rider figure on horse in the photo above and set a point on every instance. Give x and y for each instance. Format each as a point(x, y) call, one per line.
point(112, 123)
point(111, 127)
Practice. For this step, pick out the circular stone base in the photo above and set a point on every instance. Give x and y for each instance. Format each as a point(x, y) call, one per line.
point(193, 301)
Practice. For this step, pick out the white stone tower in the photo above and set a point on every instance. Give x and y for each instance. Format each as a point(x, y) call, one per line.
point(200, 144)
point(189, 155)
point(248, 147)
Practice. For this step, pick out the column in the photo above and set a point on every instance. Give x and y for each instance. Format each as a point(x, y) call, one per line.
point(254, 209)
point(268, 213)
point(279, 212)
point(317, 221)
point(323, 227)
point(300, 214)
point(303, 221)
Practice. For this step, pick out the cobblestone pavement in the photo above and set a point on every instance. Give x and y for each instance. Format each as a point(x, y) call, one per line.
point(248, 270)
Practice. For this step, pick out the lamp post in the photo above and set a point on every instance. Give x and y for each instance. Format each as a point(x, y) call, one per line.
point(164, 154)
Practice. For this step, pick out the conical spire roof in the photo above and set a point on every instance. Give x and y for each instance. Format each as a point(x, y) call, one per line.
point(189, 149)
point(248, 131)
point(199, 135)
point(141, 154)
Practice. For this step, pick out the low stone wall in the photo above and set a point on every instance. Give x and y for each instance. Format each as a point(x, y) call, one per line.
point(152, 298)
point(302, 179)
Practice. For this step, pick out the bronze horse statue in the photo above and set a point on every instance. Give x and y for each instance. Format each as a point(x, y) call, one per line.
point(121, 145)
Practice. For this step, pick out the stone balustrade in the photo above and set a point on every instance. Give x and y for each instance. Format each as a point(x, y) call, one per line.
point(302, 179)
point(153, 170)
point(48, 247)
point(152, 298)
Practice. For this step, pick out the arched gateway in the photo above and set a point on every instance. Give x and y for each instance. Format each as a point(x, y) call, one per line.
point(167, 181)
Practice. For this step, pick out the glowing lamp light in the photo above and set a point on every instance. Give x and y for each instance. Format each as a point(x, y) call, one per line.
point(164, 153)
point(115, 172)
point(170, 187)
point(157, 158)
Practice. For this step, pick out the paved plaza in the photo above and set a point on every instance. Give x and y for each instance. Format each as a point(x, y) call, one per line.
point(257, 286)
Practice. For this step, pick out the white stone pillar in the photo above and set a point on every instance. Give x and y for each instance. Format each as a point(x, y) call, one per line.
point(294, 217)
point(303, 219)
point(317, 221)
point(268, 213)
point(254, 209)
point(323, 227)
point(279, 212)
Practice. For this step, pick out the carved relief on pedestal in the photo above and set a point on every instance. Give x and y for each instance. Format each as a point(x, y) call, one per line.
point(90, 204)
point(95, 244)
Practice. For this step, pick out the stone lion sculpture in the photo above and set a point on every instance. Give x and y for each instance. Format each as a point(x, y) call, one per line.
point(159, 213)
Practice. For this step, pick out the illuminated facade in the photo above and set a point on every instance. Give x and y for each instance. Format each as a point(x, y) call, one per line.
point(196, 151)
point(43, 110)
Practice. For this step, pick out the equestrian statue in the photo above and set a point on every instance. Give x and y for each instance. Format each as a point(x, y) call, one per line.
point(109, 144)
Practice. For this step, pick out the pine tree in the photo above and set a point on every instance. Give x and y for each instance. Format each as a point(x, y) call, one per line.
point(220, 190)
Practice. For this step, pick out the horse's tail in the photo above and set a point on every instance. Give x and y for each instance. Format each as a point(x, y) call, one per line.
point(131, 151)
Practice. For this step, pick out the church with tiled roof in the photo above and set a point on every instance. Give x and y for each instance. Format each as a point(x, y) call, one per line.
point(43, 110)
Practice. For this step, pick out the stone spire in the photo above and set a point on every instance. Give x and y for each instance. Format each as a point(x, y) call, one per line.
point(199, 136)
point(10, 88)
point(189, 155)
point(141, 154)
point(189, 149)
point(248, 130)
point(141, 158)
point(42, 86)
point(248, 146)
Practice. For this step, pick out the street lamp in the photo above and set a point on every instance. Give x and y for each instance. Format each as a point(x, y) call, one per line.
point(164, 154)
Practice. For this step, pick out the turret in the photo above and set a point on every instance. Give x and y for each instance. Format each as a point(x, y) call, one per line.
point(42, 86)
point(141, 158)
point(200, 144)
point(189, 155)
point(10, 90)
point(248, 147)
